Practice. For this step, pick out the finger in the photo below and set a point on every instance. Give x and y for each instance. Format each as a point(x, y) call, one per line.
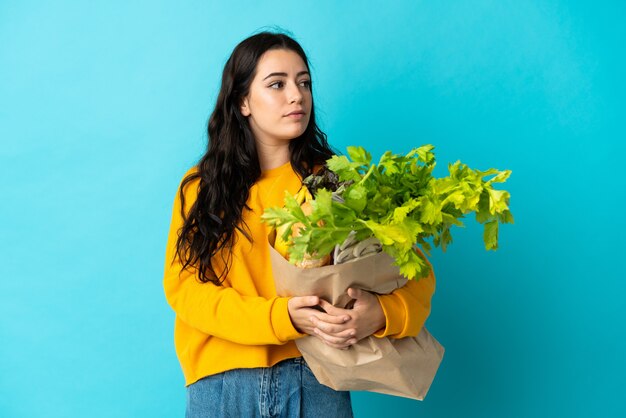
point(355, 293)
point(305, 301)
point(334, 329)
point(330, 319)
point(333, 310)
point(362, 299)
point(338, 346)
point(345, 334)
point(330, 338)
point(337, 341)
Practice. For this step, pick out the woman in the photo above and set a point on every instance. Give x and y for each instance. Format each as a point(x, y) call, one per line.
point(235, 339)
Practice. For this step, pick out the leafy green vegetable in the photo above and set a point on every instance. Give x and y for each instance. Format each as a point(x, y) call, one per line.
point(396, 200)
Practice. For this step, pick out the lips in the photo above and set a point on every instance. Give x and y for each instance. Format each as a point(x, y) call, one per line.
point(295, 112)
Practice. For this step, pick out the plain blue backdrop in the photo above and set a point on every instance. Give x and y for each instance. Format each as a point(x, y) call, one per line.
point(103, 107)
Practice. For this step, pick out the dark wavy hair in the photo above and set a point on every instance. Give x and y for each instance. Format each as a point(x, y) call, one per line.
point(230, 165)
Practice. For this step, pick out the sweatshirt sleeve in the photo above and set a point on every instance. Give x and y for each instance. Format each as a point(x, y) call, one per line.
point(220, 311)
point(407, 308)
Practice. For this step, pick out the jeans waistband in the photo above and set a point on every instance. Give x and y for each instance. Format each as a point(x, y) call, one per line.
point(297, 360)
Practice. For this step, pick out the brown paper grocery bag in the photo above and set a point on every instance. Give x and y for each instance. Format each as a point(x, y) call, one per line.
point(402, 367)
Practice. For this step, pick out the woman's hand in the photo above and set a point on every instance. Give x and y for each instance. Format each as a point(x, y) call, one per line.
point(302, 312)
point(366, 317)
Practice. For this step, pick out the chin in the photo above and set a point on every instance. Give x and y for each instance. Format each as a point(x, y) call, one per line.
point(294, 135)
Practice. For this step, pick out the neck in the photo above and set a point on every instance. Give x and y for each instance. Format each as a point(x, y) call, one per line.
point(272, 156)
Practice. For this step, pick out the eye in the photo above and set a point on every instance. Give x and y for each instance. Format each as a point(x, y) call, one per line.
point(276, 85)
point(306, 83)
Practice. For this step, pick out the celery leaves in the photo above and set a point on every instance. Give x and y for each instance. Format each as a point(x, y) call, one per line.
point(396, 200)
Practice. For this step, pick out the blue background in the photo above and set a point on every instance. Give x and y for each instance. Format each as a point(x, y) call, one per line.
point(103, 106)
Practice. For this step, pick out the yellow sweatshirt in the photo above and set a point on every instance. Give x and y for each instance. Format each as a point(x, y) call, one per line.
point(243, 324)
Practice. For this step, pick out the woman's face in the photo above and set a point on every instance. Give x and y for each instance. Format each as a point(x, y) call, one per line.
point(281, 85)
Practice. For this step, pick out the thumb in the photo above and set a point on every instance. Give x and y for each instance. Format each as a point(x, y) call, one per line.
point(354, 293)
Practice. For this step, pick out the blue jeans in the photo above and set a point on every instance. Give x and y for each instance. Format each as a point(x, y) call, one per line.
point(288, 389)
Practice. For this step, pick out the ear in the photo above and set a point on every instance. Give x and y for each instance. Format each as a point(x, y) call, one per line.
point(244, 108)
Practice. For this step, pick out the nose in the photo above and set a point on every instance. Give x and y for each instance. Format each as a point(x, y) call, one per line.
point(295, 95)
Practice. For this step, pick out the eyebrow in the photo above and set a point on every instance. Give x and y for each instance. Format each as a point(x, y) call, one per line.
point(285, 74)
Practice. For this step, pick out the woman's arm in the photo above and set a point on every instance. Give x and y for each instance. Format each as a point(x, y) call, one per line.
point(407, 308)
point(219, 310)
point(222, 311)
